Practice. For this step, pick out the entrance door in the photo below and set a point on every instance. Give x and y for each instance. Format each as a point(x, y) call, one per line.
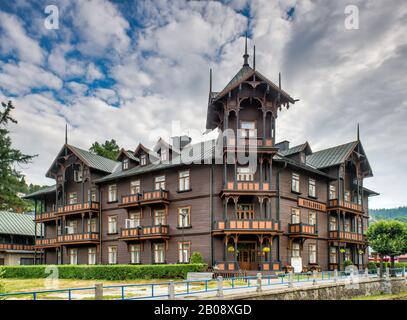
point(244, 259)
point(247, 256)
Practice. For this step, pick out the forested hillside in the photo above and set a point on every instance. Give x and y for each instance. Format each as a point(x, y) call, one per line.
point(399, 213)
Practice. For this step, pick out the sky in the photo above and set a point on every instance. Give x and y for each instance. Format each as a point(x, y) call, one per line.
point(128, 69)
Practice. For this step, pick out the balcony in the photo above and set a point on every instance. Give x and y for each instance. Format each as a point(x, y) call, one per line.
point(46, 243)
point(145, 232)
point(256, 226)
point(302, 230)
point(345, 236)
point(45, 216)
point(149, 197)
point(77, 238)
point(345, 205)
point(242, 188)
point(15, 247)
point(258, 142)
point(78, 208)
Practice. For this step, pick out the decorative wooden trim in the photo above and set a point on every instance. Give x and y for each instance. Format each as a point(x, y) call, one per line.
point(310, 204)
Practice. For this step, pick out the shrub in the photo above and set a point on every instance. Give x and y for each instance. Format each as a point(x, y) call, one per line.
point(347, 263)
point(1, 276)
point(106, 272)
point(371, 265)
point(196, 257)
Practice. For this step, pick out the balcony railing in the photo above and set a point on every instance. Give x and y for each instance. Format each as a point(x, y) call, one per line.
point(259, 142)
point(45, 216)
point(247, 186)
point(78, 237)
point(78, 207)
point(247, 225)
point(145, 197)
point(46, 242)
point(302, 229)
point(13, 246)
point(334, 203)
point(145, 232)
point(346, 236)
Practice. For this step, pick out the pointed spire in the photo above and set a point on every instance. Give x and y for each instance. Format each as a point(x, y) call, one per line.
point(245, 56)
point(279, 86)
point(254, 57)
point(66, 133)
point(358, 133)
point(210, 81)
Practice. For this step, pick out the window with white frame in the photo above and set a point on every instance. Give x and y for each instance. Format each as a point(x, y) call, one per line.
point(347, 226)
point(248, 129)
point(135, 253)
point(245, 211)
point(159, 253)
point(143, 160)
point(134, 219)
point(112, 193)
point(92, 256)
point(295, 215)
point(295, 251)
point(347, 196)
point(333, 255)
point(183, 217)
point(348, 254)
point(92, 225)
point(159, 217)
point(312, 188)
point(183, 180)
point(73, 256)
point(245, 174)
point(135, 187)
point(73, 198)
point(184, 249)
point(159, 183)
point(295, 182)
point(92, 194)
point(164, 155)
point(332, 192)
point(112, 252)
point(312, 253)
point(126, 164)
point(71, 226)
point(312, 217)
point(112, 224)
point(333, 223)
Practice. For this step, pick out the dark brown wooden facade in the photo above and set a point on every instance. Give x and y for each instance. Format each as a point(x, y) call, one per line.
point(289, 206)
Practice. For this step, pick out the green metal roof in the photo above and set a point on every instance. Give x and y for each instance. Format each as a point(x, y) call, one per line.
point(95, 161)
point(331, 156)
point(43, 191)
point(280, 158)
point(294, 150)
point(17, 223)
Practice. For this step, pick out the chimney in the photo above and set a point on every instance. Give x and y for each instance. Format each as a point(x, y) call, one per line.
point(283, 145)
point(179, 142)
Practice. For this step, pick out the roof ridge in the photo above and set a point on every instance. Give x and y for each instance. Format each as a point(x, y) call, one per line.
point(339, 145)
point(92, 153)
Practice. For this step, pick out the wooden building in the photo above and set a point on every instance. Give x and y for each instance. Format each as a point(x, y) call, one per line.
point(293, 207)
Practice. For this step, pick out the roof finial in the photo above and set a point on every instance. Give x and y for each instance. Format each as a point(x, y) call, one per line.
point(358, 134)
point(254, 57)
point(210, 81)
point(66, 133)
point(245, 56)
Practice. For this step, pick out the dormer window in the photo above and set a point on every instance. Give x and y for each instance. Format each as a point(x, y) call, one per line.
point(143, 160)
point(164, 155)
point(125, 164)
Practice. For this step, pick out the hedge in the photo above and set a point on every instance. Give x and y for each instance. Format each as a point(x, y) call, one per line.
point(374, 265)
point(104, 272)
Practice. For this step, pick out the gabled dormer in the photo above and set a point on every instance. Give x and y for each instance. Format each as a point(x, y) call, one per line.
point(164, 150)
point(298, 153)
point(145, 155)
point(128, 159)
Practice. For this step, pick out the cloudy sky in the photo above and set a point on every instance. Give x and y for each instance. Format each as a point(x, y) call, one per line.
point(126, 70)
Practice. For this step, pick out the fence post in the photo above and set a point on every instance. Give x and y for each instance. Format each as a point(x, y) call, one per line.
point(336, 275)
point(387, 272)
point(220, 287)
point(258, 288)
point(99, 291)
point(378, 272)
point(171, 290)
point(290, 279)
point(403, 272)
point(314, 277)
point(366, 272)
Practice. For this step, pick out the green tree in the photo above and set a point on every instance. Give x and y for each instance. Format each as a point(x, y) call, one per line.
point(109, 149)
point(388, 238)
point(11, 181)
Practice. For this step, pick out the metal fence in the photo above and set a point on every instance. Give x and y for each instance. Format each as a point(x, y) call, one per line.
point(171, 289)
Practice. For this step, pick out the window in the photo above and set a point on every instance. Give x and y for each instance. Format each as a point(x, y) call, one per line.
point(71, 227)
point(159, 253)
point(248, 129)
point(112, 193)
point(159, 217)
point(143, 160)
point(184, 252)
point(112, 251)
point(73, 198)
point(347, 225)
point(347, 196)
point(303, 158)
point(245, 174)
point(333, 256)
point(112, 224)
point(92, 194)
point(360, 231)
point(92, 225)
point(135, 187)
point(245, 211)
point(92, 256)
point(312, 253)
point(295, 252)
point(332, 192)
point(164, 155)
point(159, 183)
point(134, 221)
point(77, 175)
point(295, 215)
point(295, 182)
point(135, 253)
point(73, 256)
point(311, 188)
point(183, 217)
point(125, 164)
point(348, 254)
point(312, 217)
point(183, 180)
point(333, 223)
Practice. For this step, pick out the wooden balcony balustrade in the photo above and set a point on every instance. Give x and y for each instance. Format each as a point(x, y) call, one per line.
point(246, 187)
point(47, 242)
point(347, 236)
point(335, 203)
point(145, 232)
point(302, 229)
point(78, 207)
point(147, 197)
point(45, 216)
point(14, 246)
point(247, 226)
point(78, 237)
point(259, 142)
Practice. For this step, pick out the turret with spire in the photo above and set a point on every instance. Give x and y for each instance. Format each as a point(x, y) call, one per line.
point(246, 55)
